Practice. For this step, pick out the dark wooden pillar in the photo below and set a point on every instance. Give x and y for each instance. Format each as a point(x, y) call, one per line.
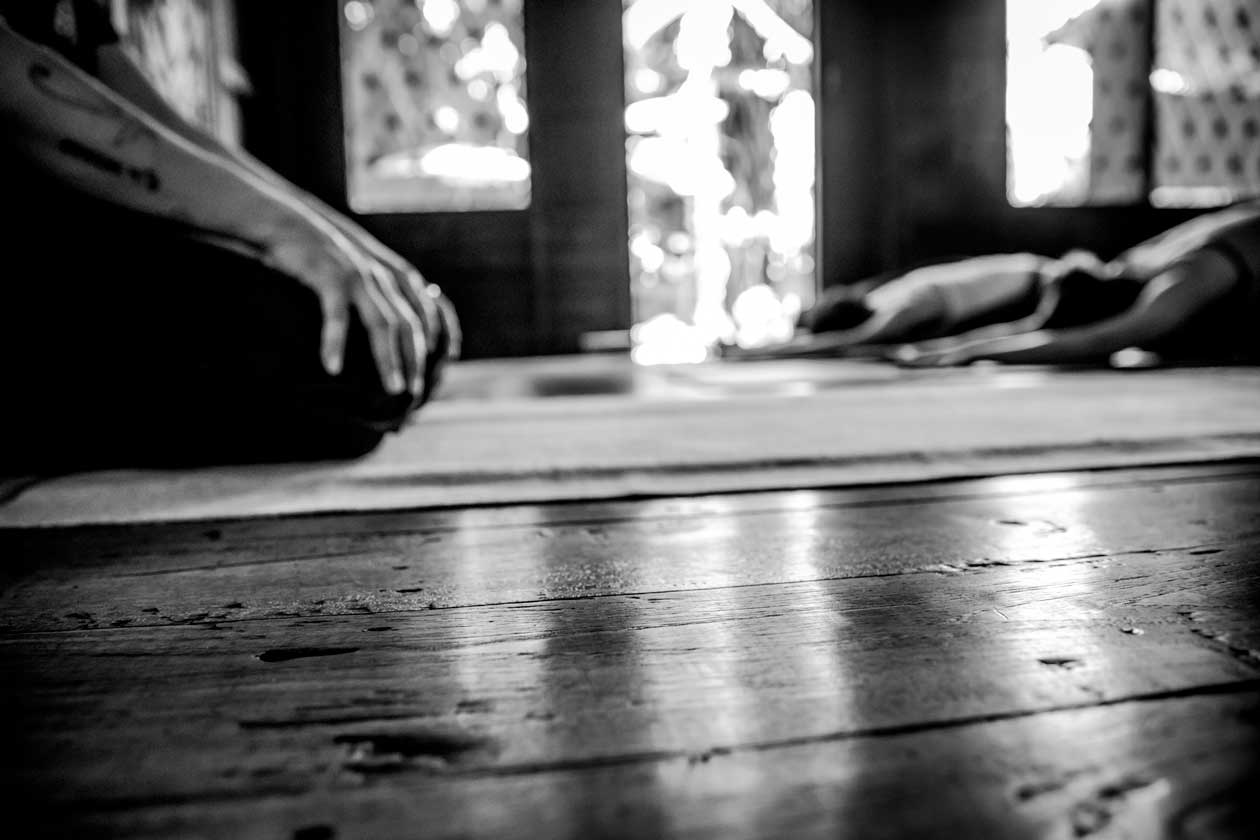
point(578, 220)
point(850, 139)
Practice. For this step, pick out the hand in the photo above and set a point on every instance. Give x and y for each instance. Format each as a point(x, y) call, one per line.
point(920, 356)
point(424, 299)
point(440, 324)
point(388, 299)
point(1037, 346)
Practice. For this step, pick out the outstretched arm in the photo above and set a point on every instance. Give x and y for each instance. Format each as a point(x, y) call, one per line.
point(1165, 304)
point(117, 70)
point(934, 300)
point(86, 135)
point(881, 328)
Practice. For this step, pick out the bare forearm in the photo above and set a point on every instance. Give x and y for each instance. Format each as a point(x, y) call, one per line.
point(106, 145)
point(120, 74)
point(84, 134)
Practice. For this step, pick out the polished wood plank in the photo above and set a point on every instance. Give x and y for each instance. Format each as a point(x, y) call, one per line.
point(95, 544)
point(114, 577)
point(1111, 771)
point(530, 687)
point(1060, 655)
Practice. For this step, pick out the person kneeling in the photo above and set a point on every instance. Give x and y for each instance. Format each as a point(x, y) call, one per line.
point(172, 300)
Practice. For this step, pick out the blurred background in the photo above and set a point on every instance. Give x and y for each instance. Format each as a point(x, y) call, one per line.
point(662, 177)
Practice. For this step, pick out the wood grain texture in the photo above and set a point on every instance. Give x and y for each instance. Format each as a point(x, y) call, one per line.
point(1102, 772)
point(1059, 656)
point(391, 562)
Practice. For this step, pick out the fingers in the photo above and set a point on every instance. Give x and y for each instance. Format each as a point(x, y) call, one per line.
point(434, 323)
point(395, 332)
point(415, 353)
point(410, 333)
point(448, 338)
point(332, 340)
point(382, 329)
point(415, 315)
point(411, 339)
point(343, 274)
point(1037, 347)
point(916, 356)
point(449, 322)
point(805, 345)
point(400, 317)
point(425, 324)
point(421, 301)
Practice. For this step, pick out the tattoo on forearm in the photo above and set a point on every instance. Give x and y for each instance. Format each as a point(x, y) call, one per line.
point(146, 178)
point(44, 80)
point(116, 140)
point(129, 130)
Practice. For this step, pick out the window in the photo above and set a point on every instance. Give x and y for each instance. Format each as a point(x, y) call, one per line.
point(1129, 101)
point(1206, 80)
point(434, 95)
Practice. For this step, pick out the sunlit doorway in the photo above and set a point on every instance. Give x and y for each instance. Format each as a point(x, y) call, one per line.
point(720, 123)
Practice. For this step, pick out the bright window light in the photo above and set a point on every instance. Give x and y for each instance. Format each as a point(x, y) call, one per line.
point(721, 160)
point(1049, 105)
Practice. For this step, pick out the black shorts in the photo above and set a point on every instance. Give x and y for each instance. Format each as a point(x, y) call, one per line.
point(123, 342)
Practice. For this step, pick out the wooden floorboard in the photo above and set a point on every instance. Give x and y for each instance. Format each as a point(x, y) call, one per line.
point(1110, 771)
point(1060, 655)
point(139, 576)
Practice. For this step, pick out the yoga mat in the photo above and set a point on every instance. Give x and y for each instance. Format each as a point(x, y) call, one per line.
point(531, 431)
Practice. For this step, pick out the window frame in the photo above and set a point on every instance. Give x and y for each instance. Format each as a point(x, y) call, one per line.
point(529, 281)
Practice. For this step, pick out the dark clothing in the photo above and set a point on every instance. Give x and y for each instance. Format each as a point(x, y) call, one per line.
point(1227, 330)
point(136, 346)
point(125, 341)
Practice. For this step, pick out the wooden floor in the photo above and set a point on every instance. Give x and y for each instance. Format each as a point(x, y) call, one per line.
point(1066, 655)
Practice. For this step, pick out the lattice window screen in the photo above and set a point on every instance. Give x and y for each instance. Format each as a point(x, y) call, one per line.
point(1207, 101)
point(1116, 34)
point(1176, 101)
